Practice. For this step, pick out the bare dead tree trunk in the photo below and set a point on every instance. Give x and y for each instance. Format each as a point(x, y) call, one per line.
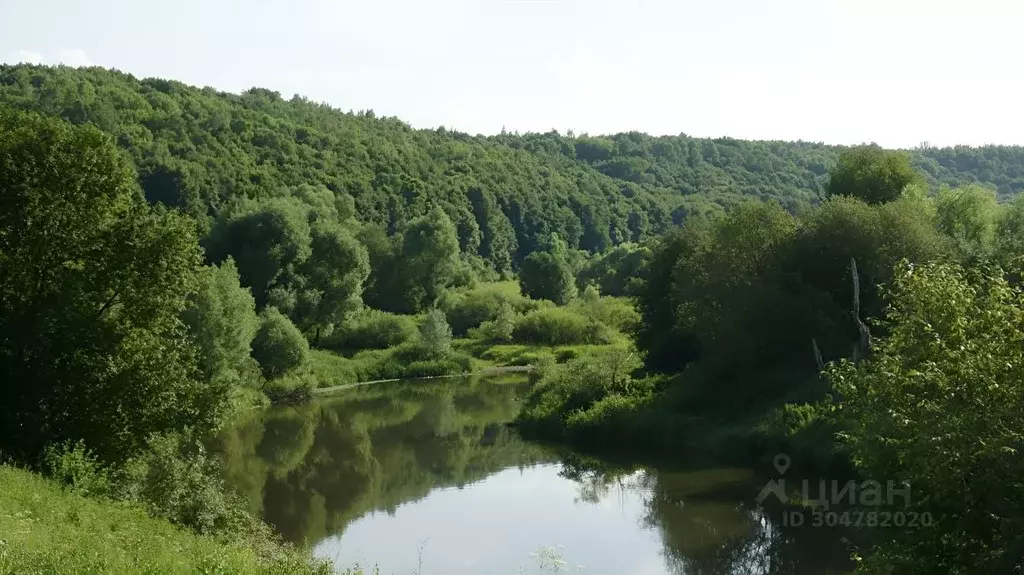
point(861, 349)
point(817, 354)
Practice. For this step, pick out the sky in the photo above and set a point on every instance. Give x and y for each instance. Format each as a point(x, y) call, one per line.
point(896, 72)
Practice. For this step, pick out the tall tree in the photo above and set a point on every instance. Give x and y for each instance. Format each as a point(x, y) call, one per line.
point(548, 274)
point(969, 216)
point(430, 253)
point(222, 319)
point(92, 285)
point(334, 274)
point(267, 240)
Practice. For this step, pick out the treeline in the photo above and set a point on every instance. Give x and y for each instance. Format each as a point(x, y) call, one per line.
point(201, 151)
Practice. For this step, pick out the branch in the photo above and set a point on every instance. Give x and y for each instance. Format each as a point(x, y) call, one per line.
point(109, 302)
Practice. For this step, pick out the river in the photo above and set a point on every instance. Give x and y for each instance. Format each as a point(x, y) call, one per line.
point(427, 478)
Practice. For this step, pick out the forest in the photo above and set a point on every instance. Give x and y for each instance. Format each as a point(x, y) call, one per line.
point(171, 256)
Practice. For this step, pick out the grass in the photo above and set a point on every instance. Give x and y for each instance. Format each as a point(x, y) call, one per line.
point(45, 529)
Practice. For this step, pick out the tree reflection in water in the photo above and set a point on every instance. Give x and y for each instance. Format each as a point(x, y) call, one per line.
point(312, 470)
point(709, 522)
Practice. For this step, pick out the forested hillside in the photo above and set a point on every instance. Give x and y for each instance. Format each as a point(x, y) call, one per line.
point(199, 149)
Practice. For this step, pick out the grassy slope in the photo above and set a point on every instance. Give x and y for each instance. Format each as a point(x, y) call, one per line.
point(45, 529)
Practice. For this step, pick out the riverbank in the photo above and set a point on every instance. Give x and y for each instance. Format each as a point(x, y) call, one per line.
point(325, 391)
point(47, 529)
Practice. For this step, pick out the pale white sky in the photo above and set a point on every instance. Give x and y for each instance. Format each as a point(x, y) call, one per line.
point(897, 72)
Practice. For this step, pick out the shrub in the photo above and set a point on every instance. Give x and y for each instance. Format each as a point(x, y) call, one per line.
point(72, 465)
point(279, 346)
point(560, 326)
point(567, 354)
point(499, 329)
point(436, 335)
point(372, 329)
point(413, 360)
point(566, 392)
point(172, 479)
point(49, 529)
point(472, 308)
point(617, 313)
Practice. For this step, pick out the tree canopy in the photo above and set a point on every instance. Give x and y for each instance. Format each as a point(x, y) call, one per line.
point(92, 286)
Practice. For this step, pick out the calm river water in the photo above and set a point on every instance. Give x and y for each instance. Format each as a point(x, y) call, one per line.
point(426, 478)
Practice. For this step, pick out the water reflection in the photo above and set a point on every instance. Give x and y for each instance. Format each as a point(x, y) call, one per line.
point(401, 473)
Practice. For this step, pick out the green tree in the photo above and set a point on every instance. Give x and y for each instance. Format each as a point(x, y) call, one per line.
point(939, 406)
point(436, 334)
point(1010, 232)
point(877, 237)
point(872, 174)
point(383, 287)
point(430, 252)
point(279, 346)
point(333, 277)
point(968, 216)
point(619, 272)
point(667, 347)
point(222, 320)
point(92, 285)
point(548, 274)
point(267, 240)
point(501, 328)
point(730, 295)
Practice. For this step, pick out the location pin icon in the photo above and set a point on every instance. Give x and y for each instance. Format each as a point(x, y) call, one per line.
point(782, 463)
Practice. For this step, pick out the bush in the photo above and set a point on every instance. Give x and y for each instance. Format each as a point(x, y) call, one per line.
point(436, 335)
point(172, 479)
point(499, 329)
point(472, 308)
point(279, 346)
point(617, 313)
point(560, 326)
point(72, 465)
point(576, 395)
point(414, 360)
point(372, 329)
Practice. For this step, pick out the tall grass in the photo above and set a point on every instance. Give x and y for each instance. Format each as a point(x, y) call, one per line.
point(46, 529)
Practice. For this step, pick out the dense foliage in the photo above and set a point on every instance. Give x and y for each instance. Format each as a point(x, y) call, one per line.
point(938, 407)
point(115, 341)
point(920, 356)
point(92, 286)
point(200, 150)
